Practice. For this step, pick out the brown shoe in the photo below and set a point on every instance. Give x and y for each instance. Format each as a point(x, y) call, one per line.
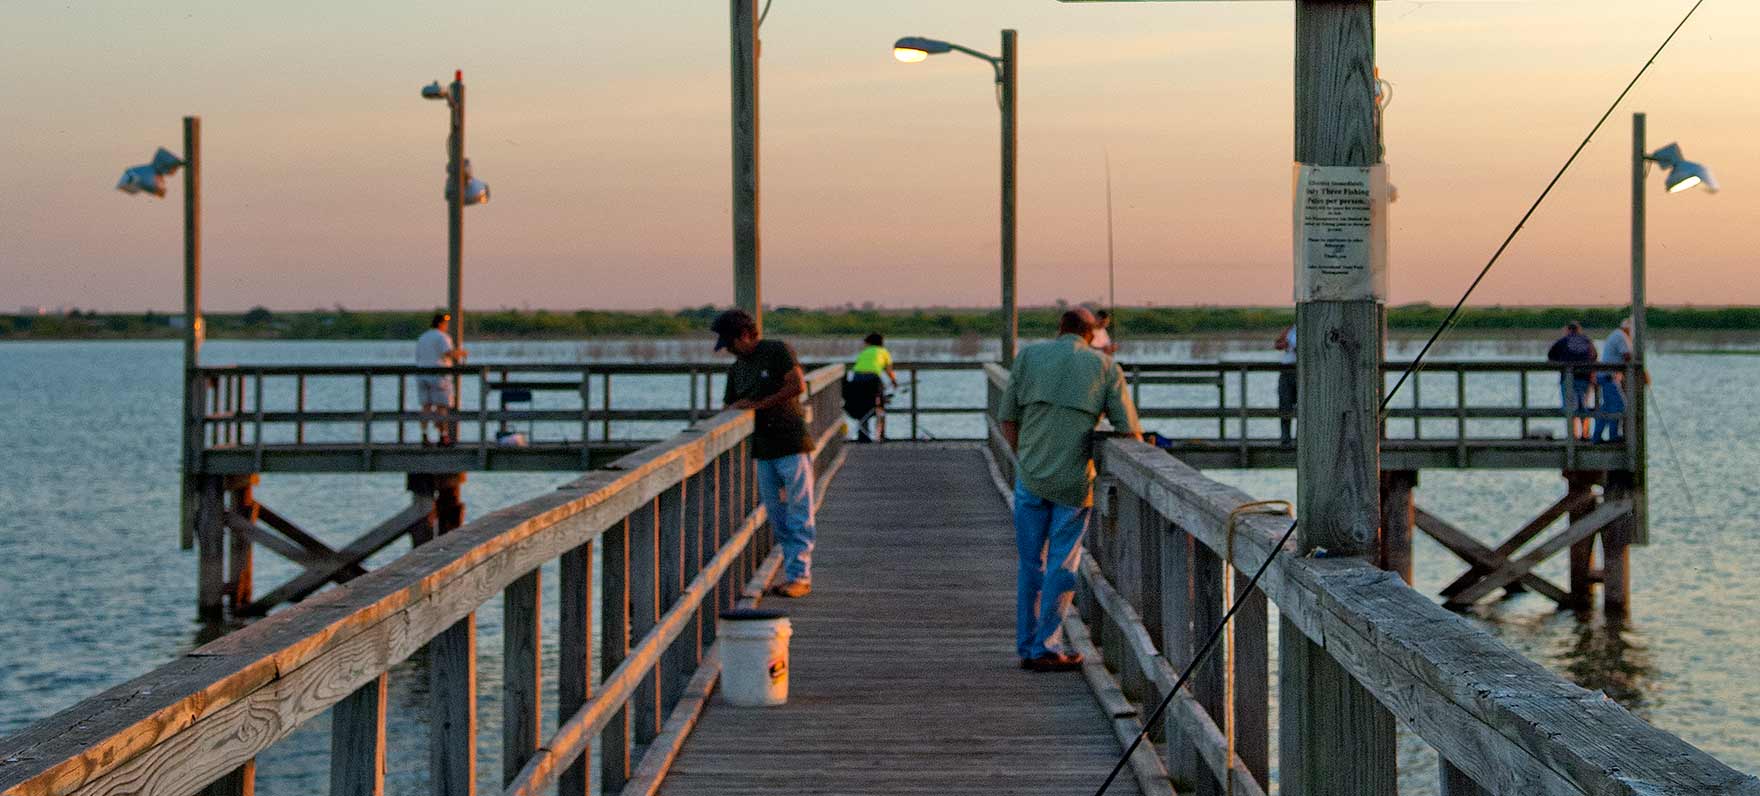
point(793, 589)
point(1053, 662)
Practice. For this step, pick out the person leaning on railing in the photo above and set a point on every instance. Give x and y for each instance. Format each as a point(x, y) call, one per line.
point(1057, 392)
point(766, 377)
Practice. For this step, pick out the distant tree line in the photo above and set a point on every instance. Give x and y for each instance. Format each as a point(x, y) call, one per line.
point(344, 324)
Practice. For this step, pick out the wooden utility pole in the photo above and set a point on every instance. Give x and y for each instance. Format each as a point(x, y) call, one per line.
point(747, 282)
point(1634, 387)
point(192, 321)
point(1335, 738)
point(455, 211)
point(1010, 314)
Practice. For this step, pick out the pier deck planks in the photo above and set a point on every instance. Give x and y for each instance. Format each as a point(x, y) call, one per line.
point(904, 678)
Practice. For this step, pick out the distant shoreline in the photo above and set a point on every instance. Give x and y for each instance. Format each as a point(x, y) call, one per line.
point(928, 323)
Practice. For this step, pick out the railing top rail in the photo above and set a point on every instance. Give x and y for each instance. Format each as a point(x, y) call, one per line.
point(202, 714)
point(1505, 720)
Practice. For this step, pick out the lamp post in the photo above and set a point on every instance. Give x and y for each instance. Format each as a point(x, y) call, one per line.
point(149, 179)
point(912, 49)
point(1681, 175)
point(461, 189)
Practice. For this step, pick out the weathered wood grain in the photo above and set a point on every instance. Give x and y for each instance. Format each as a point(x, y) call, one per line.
point(452, 711)
point(357, 742)
point(574, 666)
point(522, 673)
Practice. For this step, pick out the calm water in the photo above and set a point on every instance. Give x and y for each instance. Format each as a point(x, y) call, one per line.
point(96, 590)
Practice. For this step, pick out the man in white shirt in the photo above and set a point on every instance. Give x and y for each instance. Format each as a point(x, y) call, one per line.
point(1616, 351)
point(1102, 340)
point(434, 349)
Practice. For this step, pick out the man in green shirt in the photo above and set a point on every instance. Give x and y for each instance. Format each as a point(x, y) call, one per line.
point(766, 377)
point(1056, 394)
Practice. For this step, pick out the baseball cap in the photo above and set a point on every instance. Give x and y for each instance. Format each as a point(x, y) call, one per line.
point(729, 325)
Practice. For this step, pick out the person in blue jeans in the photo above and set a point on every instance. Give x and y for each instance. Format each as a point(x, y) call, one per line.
point(1056, 393)
point(766, 378)
point(1616, 351)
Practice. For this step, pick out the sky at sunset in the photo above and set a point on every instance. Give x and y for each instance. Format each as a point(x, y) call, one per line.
point(603, 129)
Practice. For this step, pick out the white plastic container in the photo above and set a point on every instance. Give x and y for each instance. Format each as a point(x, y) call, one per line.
point(754, 657)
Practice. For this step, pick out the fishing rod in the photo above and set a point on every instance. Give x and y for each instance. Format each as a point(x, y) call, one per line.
point(1414, 367)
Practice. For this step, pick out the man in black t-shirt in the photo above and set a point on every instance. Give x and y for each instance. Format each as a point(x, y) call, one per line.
point(1577, 349)
point(766, 378)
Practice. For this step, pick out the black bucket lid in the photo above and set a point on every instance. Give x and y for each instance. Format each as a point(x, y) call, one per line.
point(751, 615)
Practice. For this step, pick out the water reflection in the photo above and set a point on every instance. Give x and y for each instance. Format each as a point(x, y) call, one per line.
point(1610, 656)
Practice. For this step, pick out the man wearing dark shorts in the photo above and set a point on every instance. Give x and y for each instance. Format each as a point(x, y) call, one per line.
point(766, 378)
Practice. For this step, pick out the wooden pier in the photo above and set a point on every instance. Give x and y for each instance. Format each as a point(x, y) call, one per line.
point(904, 677)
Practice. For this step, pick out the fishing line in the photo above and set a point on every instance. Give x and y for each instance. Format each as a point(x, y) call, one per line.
point(1415, 366)
point(1454, 314)
point(1674, 455)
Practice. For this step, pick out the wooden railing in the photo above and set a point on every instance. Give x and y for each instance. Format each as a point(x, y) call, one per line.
point(680, 533)
point(1153, 587)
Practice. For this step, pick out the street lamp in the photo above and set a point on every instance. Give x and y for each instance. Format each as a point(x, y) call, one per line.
point(149, 178)
point(914, 49)
point(461, 189)
point(1681, 175)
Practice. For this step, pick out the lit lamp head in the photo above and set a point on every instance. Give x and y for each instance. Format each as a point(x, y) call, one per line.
point(150, 177)
point(1682, 174)
point(476, 192)
point(912, 49)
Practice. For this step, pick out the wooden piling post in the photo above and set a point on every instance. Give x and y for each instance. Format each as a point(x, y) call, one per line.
point(644, 605)
point(1397, 517)
point(238, 548)
point(1335, 738)
point(1616, 540)
point(210, 525)
point(1180, 752)
point(1582, 554)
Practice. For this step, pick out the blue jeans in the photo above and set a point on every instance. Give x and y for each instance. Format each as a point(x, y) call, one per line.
point(1044, 532)
point(1612, 400)
point(786, 487)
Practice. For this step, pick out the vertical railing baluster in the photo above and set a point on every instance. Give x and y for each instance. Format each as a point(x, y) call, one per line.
point(367, 420)
point(1460, 416)
point(1245, 461)
point(1209, 680)
point(614, 619)
point(672, 670)
point(916, 389)
point(452, 716)
point(692, 523)
point(574, 664)
point(1524, 388)
point(1251, 681)
point(357, 742)
point(1417, 406)
point(258, 433)
point(299, 409)
point(241, 781)
point(522, 673)
point(644, 603)
point(586, 417)
point(483, 436)
point(605, 404)
point(402, 406)
point(1180, 754)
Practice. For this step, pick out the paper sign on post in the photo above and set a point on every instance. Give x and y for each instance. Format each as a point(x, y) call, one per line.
point(1341, 232)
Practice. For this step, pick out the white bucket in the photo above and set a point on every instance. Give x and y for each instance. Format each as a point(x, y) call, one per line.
point(754, 657)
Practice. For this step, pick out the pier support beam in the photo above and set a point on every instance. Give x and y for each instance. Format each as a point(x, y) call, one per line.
point(1398, 515)
point(1616, 540)
point(1582, 566)
point(210, 533)
point(239, 563)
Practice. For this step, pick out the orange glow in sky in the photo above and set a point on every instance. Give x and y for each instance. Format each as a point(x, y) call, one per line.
point(603, 129)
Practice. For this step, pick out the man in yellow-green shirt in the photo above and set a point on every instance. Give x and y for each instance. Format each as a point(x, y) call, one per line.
point(1057, 392)
point(865, 396)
